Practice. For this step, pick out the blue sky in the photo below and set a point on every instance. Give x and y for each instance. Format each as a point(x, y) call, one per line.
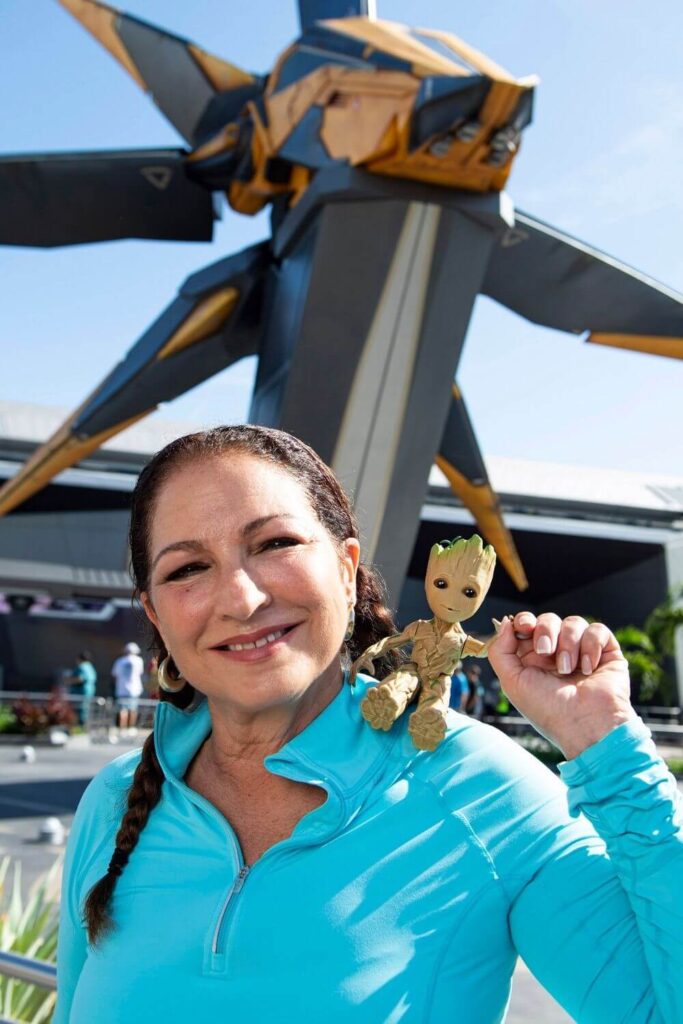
point(602, 160)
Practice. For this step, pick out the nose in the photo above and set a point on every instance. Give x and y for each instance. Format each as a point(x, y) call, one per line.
point(240, 595)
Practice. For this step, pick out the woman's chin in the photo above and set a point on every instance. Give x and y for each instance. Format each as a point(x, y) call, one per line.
point(250, 691)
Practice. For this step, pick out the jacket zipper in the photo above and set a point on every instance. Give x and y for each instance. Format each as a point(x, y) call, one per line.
point(234, 892)
point(244, 871)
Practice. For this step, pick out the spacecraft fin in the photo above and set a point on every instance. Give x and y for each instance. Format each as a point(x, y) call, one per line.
point(213, 322)
point(557, 281)
point(460, 460)
point(311, 11)
point(181, 78)
point(73, 198)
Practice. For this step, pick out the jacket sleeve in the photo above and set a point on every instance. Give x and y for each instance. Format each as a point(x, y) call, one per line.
point(601, 925)
point(71, 943)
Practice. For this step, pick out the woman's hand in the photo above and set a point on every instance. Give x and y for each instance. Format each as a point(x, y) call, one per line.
point(567, 677)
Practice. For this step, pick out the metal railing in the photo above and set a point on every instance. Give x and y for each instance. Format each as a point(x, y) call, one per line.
point(664, 723)
point(24, 968)
point(101, 722)
point(101, 713)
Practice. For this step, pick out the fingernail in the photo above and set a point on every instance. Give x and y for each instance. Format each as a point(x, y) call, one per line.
point(544, 645)
point(586, 665)
point(525, 620)
point(564, 663)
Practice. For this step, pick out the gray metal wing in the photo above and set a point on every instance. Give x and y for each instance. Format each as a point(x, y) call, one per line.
point(557, 281)
point(214, 321)
point(461, 462)
point(181, 78)
point(72, 198)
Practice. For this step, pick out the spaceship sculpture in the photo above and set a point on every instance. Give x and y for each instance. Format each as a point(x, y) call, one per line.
point(382, 152)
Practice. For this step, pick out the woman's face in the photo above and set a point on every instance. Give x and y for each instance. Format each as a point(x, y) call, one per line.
point(249, 591)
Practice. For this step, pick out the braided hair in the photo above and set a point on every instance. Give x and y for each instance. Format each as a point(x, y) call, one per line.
point(333, 509)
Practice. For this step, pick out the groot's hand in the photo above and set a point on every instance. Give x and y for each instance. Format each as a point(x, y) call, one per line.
point(362, 664)
point(483, 653)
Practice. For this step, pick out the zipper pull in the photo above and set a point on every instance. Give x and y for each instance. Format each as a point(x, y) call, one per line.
point(240, 880)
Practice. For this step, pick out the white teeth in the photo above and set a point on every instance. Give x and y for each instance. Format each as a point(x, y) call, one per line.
point(268, 639)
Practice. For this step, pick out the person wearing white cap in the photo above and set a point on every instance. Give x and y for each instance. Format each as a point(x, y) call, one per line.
point(127, 671)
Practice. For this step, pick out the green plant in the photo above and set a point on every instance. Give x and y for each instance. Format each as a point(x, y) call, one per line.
point(31, 930)
point(644, 661)
point(663, 621)
point(8, 719)
point(675, 765)
point(646, 649)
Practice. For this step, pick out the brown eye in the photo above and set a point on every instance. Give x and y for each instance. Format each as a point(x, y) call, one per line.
point(469, 592)
point(441, 583)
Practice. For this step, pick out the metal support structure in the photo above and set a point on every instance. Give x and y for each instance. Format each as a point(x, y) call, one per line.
point(674, 568)
point(25, 968)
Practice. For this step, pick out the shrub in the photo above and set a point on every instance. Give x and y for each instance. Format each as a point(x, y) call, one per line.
point(32, 718)
point(30, 930)
point(7, 719)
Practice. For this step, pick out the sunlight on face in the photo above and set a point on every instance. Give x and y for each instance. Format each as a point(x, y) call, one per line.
point(249, 591)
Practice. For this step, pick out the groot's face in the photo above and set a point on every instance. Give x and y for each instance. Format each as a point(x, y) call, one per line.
point(458, 578)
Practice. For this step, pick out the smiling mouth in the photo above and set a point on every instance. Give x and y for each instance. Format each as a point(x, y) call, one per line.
point(262, 641)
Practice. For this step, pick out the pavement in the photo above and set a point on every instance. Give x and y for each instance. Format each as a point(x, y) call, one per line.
point(52, 787)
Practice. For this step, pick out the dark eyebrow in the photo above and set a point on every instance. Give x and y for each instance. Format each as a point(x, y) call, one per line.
point(179, 545)
point(256, 524)
point(196, 545)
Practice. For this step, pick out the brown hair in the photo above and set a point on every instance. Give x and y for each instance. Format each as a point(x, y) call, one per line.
point(333, 509)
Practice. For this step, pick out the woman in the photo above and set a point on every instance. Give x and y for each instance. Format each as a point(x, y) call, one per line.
point(269, 856)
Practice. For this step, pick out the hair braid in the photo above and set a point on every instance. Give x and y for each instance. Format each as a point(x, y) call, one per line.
point(143, 796)
point(373, 621)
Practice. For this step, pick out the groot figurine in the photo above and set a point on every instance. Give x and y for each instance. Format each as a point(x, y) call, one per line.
point(458, 576)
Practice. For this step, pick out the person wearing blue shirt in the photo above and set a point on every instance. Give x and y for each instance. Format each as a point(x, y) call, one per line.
point(83, 684)
point(267, 856)
point(459, 689)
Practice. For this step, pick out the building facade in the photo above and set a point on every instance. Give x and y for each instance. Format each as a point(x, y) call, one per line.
point(599, 543)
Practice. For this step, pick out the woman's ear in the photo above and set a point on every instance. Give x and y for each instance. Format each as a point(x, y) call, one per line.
point(350, 562)
point(148, 609)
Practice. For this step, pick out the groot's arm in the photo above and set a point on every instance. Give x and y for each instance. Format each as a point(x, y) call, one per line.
point(477, 648)
point(376, 650)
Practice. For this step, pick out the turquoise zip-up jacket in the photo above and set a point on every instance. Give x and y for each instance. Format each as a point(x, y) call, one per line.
point(407, 896)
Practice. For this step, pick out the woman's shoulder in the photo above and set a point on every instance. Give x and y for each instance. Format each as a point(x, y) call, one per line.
point(105, 795)
point(476, 760)
point(514, 805)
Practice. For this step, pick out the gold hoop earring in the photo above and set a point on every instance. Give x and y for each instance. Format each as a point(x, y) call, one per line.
point(351, 625)
point(166, 681)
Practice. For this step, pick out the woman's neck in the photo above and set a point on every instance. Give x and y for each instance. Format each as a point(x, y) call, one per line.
point(239, 741)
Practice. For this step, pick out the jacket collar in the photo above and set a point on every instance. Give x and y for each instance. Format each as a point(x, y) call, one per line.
point(338, 749)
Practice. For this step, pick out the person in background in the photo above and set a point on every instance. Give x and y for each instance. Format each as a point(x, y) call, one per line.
point(459, 689)
point(83, 683)
point(127, 671)
point(474, 705)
